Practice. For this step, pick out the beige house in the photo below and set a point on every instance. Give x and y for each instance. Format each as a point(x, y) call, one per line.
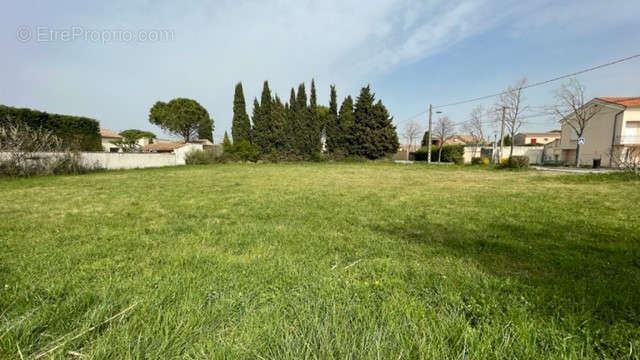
point(535, 138)
point(457, 139)
point(108, 137)
point(615, 127)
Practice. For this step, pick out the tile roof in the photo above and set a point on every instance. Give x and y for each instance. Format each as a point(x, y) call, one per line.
point(106, 133)
point(622, 100)
point(548, 133)
point(163, 146)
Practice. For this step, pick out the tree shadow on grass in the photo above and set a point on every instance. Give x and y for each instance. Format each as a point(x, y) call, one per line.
point(577, 277)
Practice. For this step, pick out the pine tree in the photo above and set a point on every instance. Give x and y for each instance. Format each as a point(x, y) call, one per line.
point(332, 127)
point(365, 125)
point(346, 121)
point(385, 132)
point(240, 125)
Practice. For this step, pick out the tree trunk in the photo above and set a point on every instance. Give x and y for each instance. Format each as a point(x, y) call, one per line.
point(511, 149)
point(440, 153)
point(578, 148)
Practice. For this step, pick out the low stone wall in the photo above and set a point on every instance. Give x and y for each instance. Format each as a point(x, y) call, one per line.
point(107, 160)
point(533, 152)
point(112, 161)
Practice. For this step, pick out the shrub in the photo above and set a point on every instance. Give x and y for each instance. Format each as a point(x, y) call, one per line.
point(480, 160)
point(450, 153)
point(28, 152)
point(76, 133)
point(515, 162)
point(518, 162)
point(242, 151)
point(200, 157)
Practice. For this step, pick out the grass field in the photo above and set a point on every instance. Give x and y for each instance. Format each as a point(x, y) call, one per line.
point(342, 261)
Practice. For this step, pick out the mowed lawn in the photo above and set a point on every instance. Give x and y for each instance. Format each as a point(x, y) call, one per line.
point(344, 261)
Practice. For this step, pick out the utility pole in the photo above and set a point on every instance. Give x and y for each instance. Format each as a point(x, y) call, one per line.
point(429, 137)
point(504, 108)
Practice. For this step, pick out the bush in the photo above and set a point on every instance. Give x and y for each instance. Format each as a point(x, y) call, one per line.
point(242, 151)
point(450, 153)
point(200, 157)
point(515, 162)
point(76, 133)
point(28, 152)
point(480, 160)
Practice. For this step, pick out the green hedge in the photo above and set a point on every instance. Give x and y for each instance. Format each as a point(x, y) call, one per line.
point(78, 133)
point(450, 153)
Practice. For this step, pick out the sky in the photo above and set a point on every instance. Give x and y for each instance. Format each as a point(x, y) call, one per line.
point(112, 60)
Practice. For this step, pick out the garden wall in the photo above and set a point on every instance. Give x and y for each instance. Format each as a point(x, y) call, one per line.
point(533, 152)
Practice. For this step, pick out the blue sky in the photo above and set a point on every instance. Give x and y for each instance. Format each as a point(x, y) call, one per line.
point(411, 52)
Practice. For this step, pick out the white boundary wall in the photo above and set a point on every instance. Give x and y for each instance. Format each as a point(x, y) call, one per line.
point(533, 152)
point(112, 161)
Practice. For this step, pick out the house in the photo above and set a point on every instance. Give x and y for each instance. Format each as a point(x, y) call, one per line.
point(536, 138)
point(108, 137)
point(456, 139)
point(614, 128)
point(180, 148)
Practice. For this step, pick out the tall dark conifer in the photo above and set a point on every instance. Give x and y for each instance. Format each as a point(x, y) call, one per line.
point(301, 116)
point(331, 128)
point(278, 126)
point(291, 128)
point(364, 125)
point(385, 132)
point(262, 129)
point(314, 125)
point(240, 125)
point(346, 122)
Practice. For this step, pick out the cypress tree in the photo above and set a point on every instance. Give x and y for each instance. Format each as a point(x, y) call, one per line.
point(226, 143)
point(278, 126)
point(240, 125)
point(365, 125)
point(291, 144)
point(346, 123)
point(257, 119)
point(314, 126)
point(262, 128)
point(332, 127)
point(301, 116)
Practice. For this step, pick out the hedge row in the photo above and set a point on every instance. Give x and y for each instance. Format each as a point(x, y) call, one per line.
point(78, 133)
point(450, 153)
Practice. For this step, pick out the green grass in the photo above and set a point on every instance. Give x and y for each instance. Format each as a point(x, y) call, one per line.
point(344, 261)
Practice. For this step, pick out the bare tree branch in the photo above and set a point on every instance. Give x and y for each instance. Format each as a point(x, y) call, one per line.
point(572, 109)
point(443, 131)
point(513, 102)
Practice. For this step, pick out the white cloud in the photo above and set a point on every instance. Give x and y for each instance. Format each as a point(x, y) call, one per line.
point(219, 43)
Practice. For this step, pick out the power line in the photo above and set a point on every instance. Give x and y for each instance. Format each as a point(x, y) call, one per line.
point(539, 83)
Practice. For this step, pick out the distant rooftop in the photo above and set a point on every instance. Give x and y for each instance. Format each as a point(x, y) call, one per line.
point(106, 133)
point(622, 100)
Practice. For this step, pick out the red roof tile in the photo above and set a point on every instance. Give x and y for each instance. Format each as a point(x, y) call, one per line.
point(622, 100)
